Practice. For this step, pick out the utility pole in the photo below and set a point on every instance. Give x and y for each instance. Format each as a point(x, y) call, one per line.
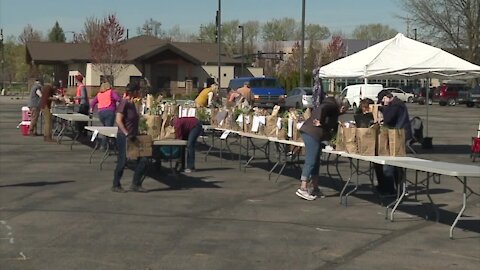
point(243, 51)
point(302, 46)
point(219, 40)
point(3, 59)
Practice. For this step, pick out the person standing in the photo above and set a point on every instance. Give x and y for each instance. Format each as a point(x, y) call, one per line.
point(127, 119)
point(245, 91)
point(395, 115)
point(319, 127)
point(48, 91)
point(204, 99)
point(81, 98)
point(35, 96)
point(188, 128)
point(106, 100)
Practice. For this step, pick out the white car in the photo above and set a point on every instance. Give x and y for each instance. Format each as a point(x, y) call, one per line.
point(299, 97)
point(400, 94)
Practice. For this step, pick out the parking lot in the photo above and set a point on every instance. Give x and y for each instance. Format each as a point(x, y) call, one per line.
point(57, 212)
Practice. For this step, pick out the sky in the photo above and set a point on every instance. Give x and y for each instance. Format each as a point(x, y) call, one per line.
point(337, 15)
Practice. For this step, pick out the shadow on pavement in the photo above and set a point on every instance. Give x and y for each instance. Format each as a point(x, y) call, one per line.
point(37, 184)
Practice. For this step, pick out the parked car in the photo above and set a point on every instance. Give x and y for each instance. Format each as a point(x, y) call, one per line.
point(474, 97)
point(400, 94)
point(422, 93)
point(299, 97)
point(448, 93)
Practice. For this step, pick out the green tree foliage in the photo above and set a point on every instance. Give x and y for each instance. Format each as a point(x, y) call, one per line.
point(448, 23)
point(315, 32)
point(16, 70)
point(56, 34)
point(374, 32)
point(279, 29)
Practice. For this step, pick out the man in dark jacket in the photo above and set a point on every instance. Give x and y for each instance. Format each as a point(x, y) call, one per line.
point(395, 115)
point(319, 127)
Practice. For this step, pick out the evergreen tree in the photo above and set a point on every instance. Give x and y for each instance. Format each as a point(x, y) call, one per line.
point(56, 34)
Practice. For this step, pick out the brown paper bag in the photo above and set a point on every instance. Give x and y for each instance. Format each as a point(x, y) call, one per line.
point(339, 143)
point(140, 147)
point(350, 140)
point(377, 114)
point(396, 142)
point(282, 134)
point(297, 137)
point(169, 133)
point(307, 114)
point(382, 142)
point(271, 126)
point(366, 140)
point(154, 124)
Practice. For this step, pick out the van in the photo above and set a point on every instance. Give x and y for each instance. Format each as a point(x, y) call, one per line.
point(266, 91)
point(356, 92)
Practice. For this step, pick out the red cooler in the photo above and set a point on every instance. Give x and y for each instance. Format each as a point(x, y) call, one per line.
point(24, 126)
point(26, 114)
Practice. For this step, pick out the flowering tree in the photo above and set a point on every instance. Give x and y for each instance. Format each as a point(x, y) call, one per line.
point(107, 52)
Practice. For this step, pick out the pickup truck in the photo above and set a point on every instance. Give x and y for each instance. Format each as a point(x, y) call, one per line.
point(265, 91)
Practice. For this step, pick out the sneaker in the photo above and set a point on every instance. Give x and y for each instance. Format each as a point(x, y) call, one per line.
point(118, 189)
point(305, 195)
point(138, 189)
point(316, 192)
point(188, 170)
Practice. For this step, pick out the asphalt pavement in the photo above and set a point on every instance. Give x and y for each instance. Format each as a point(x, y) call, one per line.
point(57, 211)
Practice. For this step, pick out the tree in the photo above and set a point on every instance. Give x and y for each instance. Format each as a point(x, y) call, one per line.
point(91, 28)
point(29, 34)
point(315, 32)
point(152, 28)
point(251, 31)
point(448, 23)
point(333, 50)
point(108, 55)
point(56, 34)
point(374, 32)
point(279, 29)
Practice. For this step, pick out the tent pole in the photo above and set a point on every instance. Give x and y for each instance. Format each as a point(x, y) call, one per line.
point(427, 100)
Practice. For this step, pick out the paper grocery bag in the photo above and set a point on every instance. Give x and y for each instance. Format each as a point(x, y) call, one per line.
point(383, 148)
point(377, 114)
point(169, 133)
point(366, 140)
point(271, 126)
point(154, 124)
point(307, 113)
point(339, 143)
point(350, 140)
point(396, 142)
point(140, 146)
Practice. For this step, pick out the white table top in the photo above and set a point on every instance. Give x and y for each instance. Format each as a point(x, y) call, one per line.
point(385, 159)
point(440, 167)
point(274, 139)
point(170, 142)
point(253, 135)
point(226, 129)
point(332, 151)
point(105, 131)
point(75, 117)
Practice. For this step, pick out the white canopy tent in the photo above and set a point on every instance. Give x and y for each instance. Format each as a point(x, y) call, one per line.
point(401, 58)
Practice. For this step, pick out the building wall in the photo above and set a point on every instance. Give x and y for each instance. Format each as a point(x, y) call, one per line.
point(227, 73)
point(123, 78)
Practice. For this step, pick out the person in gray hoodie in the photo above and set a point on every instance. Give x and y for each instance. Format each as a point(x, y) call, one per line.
point(33, 104)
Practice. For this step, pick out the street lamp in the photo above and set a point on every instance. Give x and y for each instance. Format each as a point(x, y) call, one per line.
point(243, 48)
point(302, 46)
point(219, 40)
point(3, 59)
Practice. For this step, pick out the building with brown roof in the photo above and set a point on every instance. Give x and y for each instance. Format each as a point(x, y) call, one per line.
point(170, 67)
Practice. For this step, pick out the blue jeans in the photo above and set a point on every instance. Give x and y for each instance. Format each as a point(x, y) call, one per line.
point(107, 117)
point(311, 167)
point(191, 141)
point(122, 161)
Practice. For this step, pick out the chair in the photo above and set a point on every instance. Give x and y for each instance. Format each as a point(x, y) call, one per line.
point(417, 133)
point(475, 149)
